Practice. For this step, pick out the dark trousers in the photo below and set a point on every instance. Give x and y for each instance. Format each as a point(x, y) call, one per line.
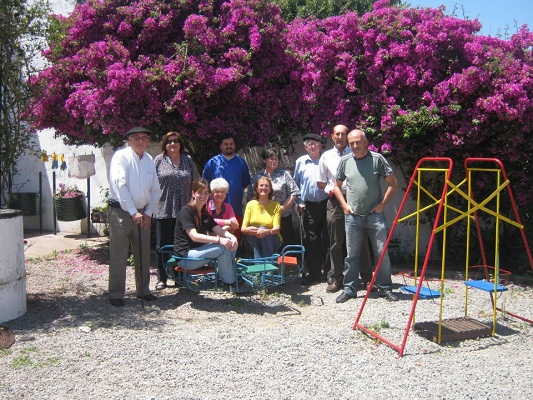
point(286, 230)
point(316, 238)
point(337, 245)
point(164, 236)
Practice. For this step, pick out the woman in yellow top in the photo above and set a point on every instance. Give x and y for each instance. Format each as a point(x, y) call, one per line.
point(261, 221)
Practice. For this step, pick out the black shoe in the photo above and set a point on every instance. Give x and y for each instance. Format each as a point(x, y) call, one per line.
point(232, 287)
point(344, 297)
point(389, 295)
point(117, 302)
point(334, 286)
point(308, 280)
point(148, 297)
point(366, 284)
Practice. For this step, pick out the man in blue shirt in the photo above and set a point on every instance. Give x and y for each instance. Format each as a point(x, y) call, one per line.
point(232, 168)
point(312, 204)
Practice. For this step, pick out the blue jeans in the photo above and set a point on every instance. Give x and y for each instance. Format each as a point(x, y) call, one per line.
point(373, 224)
point(225, 260)
point(263, 247)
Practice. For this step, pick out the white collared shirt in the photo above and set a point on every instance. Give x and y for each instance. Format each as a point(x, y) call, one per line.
point(133, 181)
point(327, 168)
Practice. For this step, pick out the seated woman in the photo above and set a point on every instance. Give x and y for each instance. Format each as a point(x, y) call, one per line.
point(261, 223)
point(221, 212)
point(192, 239)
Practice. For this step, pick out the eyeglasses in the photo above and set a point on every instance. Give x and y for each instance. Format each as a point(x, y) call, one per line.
point(173, 141)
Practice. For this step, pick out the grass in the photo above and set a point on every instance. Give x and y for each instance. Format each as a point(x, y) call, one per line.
point(83, 248)
point(29, 357)
point(5, 353)
point(65, 283)
point(26, 350)
point(380, 325)
point(50, 257)
point(21, 362)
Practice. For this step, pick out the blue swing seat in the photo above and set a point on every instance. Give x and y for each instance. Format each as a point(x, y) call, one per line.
point(425, 292)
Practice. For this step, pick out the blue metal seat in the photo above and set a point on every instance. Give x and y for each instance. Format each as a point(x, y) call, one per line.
point(205, 277)
point(261, 273)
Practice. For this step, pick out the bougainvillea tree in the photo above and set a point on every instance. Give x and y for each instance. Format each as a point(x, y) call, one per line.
point(204, 68)
point(421, 84)
point(291, 9)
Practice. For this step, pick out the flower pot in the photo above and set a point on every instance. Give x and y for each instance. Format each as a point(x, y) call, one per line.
point(70, 208)
point(26, 202)
point(95, 217)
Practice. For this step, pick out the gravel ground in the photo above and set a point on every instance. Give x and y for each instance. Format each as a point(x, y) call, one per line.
point(291, 343)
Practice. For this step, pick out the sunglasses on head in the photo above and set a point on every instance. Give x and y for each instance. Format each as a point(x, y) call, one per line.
point(172, 141)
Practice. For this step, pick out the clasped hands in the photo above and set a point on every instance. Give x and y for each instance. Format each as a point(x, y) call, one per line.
point(258, 232)
point(229, 243)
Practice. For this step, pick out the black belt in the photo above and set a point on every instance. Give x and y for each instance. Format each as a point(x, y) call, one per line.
point(315, 203)
point(113, 203)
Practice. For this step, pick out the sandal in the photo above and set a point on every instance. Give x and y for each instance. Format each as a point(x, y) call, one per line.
point(160, 285)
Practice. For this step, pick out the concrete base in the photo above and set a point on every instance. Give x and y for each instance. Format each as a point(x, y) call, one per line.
point(12, 300)
point(12, 269)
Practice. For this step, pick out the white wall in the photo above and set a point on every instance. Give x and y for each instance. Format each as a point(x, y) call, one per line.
point(27, 179)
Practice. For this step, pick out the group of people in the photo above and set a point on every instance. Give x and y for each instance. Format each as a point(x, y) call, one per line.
point(337, 193)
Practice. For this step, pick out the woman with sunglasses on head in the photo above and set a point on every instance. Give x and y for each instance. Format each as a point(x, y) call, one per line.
point(197, 235)
point(176, 173)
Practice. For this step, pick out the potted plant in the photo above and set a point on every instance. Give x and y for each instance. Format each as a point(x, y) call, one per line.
point(69, 203)
point(99, 214)
point(27, 202)
point(103, 213)
point(95, 214)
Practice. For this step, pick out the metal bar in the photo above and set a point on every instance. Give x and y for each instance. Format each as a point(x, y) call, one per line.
point(88, 207)
point(53, 206)
point(40, 202)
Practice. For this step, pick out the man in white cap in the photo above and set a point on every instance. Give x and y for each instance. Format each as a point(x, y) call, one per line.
point(312, 205)
point(133, 195)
